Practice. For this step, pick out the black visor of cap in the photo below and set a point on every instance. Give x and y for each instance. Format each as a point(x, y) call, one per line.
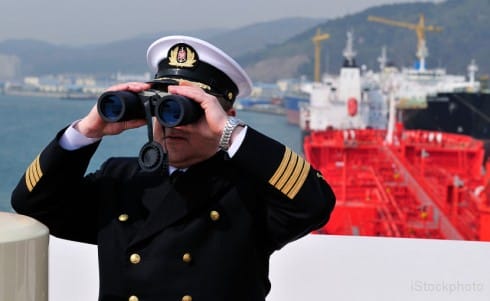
point(218, 81)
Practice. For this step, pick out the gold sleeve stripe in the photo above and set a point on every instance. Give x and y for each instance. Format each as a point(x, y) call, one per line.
point(285, 179)
point(33, 174)
point(301, 180)
point(282, 166)
point(291, 174)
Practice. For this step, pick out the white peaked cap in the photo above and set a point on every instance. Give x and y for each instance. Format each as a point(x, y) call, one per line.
point(198, 62)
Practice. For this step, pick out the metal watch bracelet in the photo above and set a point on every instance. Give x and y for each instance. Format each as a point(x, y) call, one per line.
point(230, 126)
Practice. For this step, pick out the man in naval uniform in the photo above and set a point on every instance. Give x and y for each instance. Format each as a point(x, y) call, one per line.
point(206, 235)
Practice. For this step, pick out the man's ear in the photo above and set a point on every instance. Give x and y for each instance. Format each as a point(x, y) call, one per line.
point(231, 112)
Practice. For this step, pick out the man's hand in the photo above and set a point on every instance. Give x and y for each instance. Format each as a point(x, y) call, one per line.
point(92, 125)
point(215, 115)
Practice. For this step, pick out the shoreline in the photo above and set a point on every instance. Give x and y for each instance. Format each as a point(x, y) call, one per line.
point(59, 95)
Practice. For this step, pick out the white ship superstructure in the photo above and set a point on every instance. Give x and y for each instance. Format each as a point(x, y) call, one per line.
point(352, 99)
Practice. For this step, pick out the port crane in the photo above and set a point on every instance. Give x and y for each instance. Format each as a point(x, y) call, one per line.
point(317, 39)
point(420, 28)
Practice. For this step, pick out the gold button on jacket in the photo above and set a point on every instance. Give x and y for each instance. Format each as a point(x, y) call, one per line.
point(214, 215)
point(133, 298)
point(135, 258)
point(187, 258)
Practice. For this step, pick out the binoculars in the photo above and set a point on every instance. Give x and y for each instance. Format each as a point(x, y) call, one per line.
point(169, 109)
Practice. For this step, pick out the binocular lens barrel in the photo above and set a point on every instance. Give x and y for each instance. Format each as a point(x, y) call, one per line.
point(115, 106)
point(111, 107)
point(174, 110)
point(170, 110)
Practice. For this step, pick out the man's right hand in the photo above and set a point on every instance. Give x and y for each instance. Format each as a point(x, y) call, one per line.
point(92, 125)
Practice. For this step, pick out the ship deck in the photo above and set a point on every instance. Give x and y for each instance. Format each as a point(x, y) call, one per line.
point(424, 185)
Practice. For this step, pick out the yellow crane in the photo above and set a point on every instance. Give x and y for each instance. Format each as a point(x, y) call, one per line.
point(317, 39)
point(420, 28)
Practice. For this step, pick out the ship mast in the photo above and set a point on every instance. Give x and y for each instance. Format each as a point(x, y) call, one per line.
point(349, 52)
point(391, 87)
point(383, 59)
point(472, 69)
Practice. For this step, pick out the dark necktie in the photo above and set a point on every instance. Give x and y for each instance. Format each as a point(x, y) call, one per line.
point(174, 177)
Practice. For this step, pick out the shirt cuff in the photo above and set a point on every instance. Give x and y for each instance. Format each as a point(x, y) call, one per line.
point(73, 139)
point(237, 142)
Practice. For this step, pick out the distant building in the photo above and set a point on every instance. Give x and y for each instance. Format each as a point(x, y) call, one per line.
point(9, 66)
point(128, 77)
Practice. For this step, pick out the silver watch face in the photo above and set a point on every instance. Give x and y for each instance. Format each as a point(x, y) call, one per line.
point(235, 121)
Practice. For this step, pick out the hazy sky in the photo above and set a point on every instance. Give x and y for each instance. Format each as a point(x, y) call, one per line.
point(95, 21)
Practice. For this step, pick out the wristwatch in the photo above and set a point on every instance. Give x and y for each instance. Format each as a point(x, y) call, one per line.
point(230, 126)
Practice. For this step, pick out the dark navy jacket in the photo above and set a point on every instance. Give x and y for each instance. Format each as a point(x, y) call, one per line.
point(206, 235)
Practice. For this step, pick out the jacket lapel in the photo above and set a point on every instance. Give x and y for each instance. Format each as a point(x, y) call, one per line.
point(165, 207)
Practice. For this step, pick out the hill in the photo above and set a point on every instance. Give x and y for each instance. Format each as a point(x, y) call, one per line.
point(38, 57)
point(283, 48)
point(465, 36)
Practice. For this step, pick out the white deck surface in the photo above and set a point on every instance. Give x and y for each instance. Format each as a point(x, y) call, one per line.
point(320, 267)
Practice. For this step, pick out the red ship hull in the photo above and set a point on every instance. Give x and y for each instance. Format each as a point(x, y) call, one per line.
point(424, 185)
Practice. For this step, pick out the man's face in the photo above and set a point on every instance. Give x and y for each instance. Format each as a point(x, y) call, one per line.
point(188, 144)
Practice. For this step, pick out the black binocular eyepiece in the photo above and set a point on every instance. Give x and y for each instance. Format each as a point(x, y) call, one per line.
point(170, 109)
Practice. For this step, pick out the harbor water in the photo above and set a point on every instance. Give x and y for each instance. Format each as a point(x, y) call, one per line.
point(27, 124)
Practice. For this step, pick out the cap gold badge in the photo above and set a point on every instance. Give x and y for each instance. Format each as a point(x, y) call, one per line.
point(182, 56)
